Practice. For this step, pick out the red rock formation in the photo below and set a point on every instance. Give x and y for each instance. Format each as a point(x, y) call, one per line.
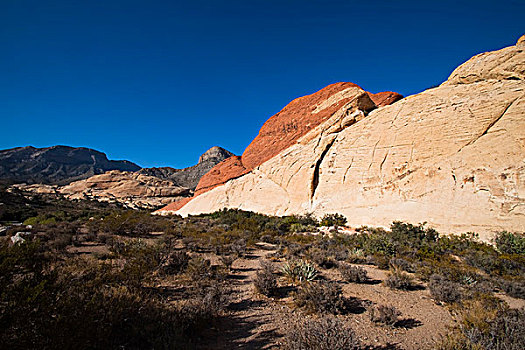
point(228, 169)
point(385, 98)
point(293, 121)
point(283, 130)
point(175, 205)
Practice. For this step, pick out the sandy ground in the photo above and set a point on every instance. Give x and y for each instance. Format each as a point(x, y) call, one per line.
point(253, 321)
point(257, 322)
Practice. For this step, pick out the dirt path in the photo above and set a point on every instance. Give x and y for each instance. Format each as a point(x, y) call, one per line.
point(253, 321)
point(256, 322)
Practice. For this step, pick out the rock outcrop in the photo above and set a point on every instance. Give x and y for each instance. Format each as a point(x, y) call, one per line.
point(385, 98)
point(453, 156)
point(294, 121)
point(131, 189)
point(189, 177)
point(148, 188)
point(56, 165)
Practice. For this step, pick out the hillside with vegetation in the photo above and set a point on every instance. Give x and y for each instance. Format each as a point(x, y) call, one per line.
point(91, 276)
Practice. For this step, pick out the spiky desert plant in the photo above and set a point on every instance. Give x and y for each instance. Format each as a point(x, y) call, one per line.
point(300, 271)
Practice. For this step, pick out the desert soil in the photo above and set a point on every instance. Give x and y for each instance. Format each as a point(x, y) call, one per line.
point(257, 322)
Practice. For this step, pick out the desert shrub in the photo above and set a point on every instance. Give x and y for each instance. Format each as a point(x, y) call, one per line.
point(399, 279)
point(487, 327)
point(60, 243)
point(265, 281)
point(294, 250)
point(203, 309)
point(199, 268)
point(176, 262)
point(402, 264)
point(482, 260)
point(384, 314)
point(299, 271)
point(444, 290)
point(228, 260)
point(381, 261)
point(356, 256)
point(333, 220)
point(321, 257)
point(88, 304)
point(324, 333)
point(355, 274)
point(320, 297)
point(514, 288)
point(239, 247)
point(510, 243)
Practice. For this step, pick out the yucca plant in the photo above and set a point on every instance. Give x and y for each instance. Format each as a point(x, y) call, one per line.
point(300, 271)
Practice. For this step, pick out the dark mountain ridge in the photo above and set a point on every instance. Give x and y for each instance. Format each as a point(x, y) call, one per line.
point(61, 165)
point(56, 164)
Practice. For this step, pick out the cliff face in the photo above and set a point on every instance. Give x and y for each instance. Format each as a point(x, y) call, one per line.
point(295, 120)
point(57, 164)
point(453, 156)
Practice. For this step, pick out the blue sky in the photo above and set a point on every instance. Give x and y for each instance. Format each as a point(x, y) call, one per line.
point(159, 82)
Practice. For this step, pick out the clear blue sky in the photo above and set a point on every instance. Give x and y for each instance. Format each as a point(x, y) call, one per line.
point(159, 82)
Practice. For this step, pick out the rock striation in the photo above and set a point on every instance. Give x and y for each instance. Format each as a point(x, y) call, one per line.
point(452, 156)
point(56, 165)
point(131, 189)
point(284, 129)
point(148, 188)
point(294, 121)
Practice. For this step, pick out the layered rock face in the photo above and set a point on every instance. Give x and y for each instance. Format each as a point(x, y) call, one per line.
point(453, 156)
point(57, 164)
point(289, 125)
point(148, 188)
point(189, 177)
point(130, 189)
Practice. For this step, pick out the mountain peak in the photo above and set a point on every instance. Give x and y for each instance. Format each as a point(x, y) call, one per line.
point(214, 153)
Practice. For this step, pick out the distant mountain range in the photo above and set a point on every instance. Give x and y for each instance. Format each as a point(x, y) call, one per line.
point(83, 173)
point(61, 165)
point(57, 164)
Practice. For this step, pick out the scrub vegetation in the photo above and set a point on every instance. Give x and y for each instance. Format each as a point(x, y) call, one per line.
point(94, 276)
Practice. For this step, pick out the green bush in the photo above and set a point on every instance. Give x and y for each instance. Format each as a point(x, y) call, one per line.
point(410, 234)
point(333, 220)
point(510, 243)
